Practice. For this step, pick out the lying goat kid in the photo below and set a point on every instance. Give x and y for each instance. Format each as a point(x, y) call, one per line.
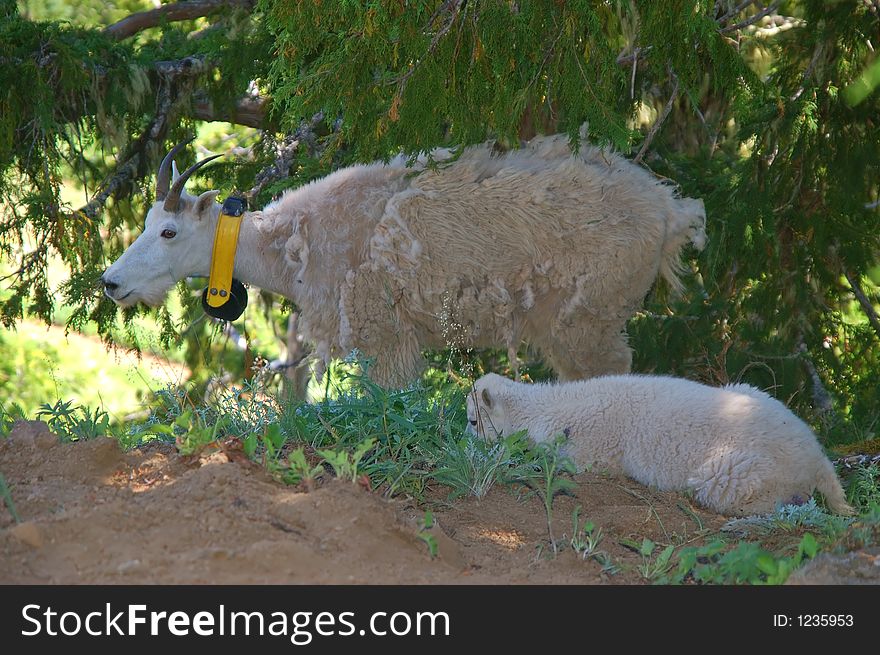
point(740, 451)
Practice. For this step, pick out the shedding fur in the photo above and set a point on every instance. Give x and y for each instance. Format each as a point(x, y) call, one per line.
point(739, 451)
point(535, 245)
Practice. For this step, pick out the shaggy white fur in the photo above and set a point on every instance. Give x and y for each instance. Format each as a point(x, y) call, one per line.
point(488, 250)
point(740, 451)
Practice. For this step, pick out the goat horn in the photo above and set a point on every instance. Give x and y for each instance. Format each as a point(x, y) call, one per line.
point(163, 178)
point(173, 199)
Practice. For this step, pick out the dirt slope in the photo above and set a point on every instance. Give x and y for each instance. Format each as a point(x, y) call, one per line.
point(90, 513)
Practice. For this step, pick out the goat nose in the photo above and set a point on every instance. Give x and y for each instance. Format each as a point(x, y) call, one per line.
point(108, 285)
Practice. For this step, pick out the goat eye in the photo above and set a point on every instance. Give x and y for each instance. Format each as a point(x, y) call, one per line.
point(168, 234)
point(473, 422)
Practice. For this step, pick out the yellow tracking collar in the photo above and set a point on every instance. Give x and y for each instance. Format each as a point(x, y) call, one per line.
point(223, 255)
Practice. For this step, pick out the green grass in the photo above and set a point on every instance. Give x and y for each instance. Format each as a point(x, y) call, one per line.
point(744, 562)
point(39, 365)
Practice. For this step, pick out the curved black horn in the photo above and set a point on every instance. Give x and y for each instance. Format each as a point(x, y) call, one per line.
point(173, 199)
point(163, 178)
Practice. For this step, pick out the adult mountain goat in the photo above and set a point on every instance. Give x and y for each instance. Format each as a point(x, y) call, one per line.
point(490, 250)
point(739, 450)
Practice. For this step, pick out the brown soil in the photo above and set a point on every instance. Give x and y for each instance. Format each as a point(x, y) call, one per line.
point(90, 513)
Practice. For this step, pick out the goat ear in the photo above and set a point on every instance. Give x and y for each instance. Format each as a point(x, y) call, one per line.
point(174, 172)
point(204, 203)
point(487, 399)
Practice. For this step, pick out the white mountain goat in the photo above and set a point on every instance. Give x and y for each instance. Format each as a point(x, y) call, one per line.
point(489, 250)
point(740, 451)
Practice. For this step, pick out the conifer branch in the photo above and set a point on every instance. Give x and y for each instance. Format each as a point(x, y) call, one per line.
point(864, 301)
point(133, 164)
point(659, 122)
point(143, 20)
point(452, 8)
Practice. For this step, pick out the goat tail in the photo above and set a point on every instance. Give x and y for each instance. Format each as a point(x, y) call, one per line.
point(829, 484)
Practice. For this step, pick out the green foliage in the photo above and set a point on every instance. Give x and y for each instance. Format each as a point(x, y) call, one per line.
point(746, 563)
point(192, 431)
point(82, 12)
point(471, 465)
point(9, 414)
point(789, 518)
point(79, 83)
point(301, 469)
point(73, 423)
point(425, 524)
point(545, 477)
point(865, 531)
point(346, 465)
point(399, 439)
point(863, 487)
point(6, 494)
point(654, 567)
point(395, 437)
point(789, 221)
point(585, 537)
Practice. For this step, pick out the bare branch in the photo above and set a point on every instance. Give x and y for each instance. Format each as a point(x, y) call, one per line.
point(864, 301)
point(659, 122)
point(121, 175)
point(822, 401)
point(187, 66)
point(723, 20)
point(626, 60)
point(632, 83)
point(131, 25)
point(808, 73)
point(304, 136)
point(751, 20)
point(250, 111)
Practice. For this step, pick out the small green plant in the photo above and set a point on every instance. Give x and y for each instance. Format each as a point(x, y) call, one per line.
point(74, 423)
point(7, 498)
point(472, 466)
point(8, 416)
point(191, 432)
point(866, 531)
point(272, 440)
point(248, 406)
point(300, 469)
point(789, 518)
point(652, 568)
point(346, 465)
point(863, 487)
point(586, 537)
point(548, 464)
point(425, 524)
point(746, 563)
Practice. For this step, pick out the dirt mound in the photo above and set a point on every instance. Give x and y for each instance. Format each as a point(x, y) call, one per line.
point(90, 513)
